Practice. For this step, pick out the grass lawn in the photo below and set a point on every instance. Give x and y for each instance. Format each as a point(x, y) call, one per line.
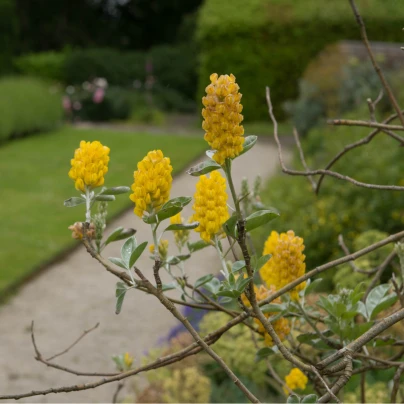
point(34, 184)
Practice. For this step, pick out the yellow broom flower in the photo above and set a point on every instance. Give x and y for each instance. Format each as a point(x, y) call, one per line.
point(89, 165)
point(281, 325)
point(152, 183)
point(296, 379)
point(222, 117)
point(181, 236)
point(210, 205)
point(163, 249)
point(286, 263)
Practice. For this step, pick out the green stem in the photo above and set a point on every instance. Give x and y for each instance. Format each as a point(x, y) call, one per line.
point(224, 266)
point(88, 205)
point(227, 170)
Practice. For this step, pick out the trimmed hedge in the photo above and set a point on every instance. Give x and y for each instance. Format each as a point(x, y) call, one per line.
point(270, 42)
point(27, 105)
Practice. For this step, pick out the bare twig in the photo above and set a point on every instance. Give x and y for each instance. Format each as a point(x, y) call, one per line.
point(333, 396)
point(396, 383)
point(119, 387)
point(302, 159)
point(379, 72)
point(85, 332)
point(368, 124)
point(320, 172)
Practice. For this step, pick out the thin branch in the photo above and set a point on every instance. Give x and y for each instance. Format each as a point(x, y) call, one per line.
point(119, 387)
point(396, 383)
point(302, 159)
point(367, 124)
point(320, 172)
point(333, 396)
point(379, 72)
point(85, 332)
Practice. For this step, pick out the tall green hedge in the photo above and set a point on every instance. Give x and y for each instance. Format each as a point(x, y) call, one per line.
point(8, 34)
point(270, 42)
point(27, 105)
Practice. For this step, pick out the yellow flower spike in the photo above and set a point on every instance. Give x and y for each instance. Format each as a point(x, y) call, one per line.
point(128, 360)
point(222, 117)
point(296, 379)
point(181, 236)
point(163, 249)
point(210, 205)
point(286, 263)
point(152, 183)
point(89, 165)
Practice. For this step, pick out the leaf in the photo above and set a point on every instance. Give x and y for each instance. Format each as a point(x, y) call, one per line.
point(118, 261)
point(382, 342)
point(177, 259)
point(249, 143)
point(115, 191)
point(120, 295)
point(180, 226)
point(263, 353)
point(104, 198)
point(375, 296)
point(293, 399)
point(238, 266)
point(204, 279)
point(242, 283)
point(262, 261)
point(213, 286)
point(312, 286)
point(210, 153)
point(137, 253)
point(172, 207)
point(273, 308)
point(260, 218)
point(119, 234)
point(166, 287)
point(311, 398)
point(229, 226)
point(384, 304)
point(127, 250)
point(196, 246)
point(234, 294)
point(74, 201)
point(203, 168)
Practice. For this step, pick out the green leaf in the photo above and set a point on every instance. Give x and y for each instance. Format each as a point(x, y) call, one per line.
point(262, 261)
point(238, 266)
point(234, 294)
point(127, 250)
point(382, 342)
point(210, 153)
point(120, 295)
point(204, 279)
point(249, 143)
point(260, 218)
point(74, 201)
point(104, 198)
point(242, 283)
point(293, 399)
point(384, 304)
point(137, 253)
point(119, 234)
point(229, 226)
point(118, 261)
point(203, 168)
point(180, 226)
point(263, 353)
point(273, 308)
point(172, 207)
point(312, 286)
point(166, 287)
point(311, 398)
point(115, 191)
point(375, 297)
point(198, 245)
point(213, 286)
point(177, 259)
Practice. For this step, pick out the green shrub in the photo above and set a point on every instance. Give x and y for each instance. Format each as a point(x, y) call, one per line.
point(270, 42)
point(8, 34)
point(47, 65)
point(340, 207)
point(27, 105)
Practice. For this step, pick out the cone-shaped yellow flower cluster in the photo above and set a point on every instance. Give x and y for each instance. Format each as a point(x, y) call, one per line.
point(152, 183)
point(222, 117)
point(89, 165)
point(281, 325)
point(163, 249)
point(210, 205)
point(181, 236)
point(296, 379)
point(286, 263)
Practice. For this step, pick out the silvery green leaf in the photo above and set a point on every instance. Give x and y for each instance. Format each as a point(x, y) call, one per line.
point(210, 153)
point(182, 226)
point(115, 191)
point(197, 245)
point(260, 218)
point(137, 253)
point(127, 250)
point(312, 286)
point(105, 198)
point(204, 279)
point(203, 168)
point(74, 201)
point(120, 295)
point(118, 261)
point(249, 143)
point(119, 234)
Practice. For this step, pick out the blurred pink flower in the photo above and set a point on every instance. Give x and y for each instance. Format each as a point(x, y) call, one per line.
point(67, 104)
point(98, 96)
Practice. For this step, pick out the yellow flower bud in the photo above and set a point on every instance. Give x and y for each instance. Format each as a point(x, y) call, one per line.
point(296, 379)
point(210, 205)
point(152, 183)
point(181, 236)
point(128, 360)
point(89, 165)
point(286, 263)
point(222, 117)
point(163, 249)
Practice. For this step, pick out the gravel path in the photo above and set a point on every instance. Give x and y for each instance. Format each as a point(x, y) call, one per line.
point(75, 294)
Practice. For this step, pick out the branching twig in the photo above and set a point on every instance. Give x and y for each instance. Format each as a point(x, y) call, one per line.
point(302, 159)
